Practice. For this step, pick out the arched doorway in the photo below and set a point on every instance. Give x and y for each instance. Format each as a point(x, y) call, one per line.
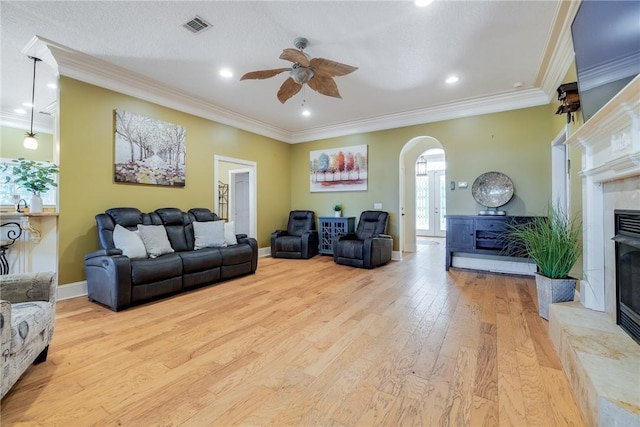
point(409, 154)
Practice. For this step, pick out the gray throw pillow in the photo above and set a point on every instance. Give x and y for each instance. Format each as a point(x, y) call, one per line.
point(155, 240)
point(129, 242)
point(230, 233)
point(208, 234)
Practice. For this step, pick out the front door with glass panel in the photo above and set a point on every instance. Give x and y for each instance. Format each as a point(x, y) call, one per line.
point(430, 194)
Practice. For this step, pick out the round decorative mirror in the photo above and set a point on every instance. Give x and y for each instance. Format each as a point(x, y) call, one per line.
point(492, 189)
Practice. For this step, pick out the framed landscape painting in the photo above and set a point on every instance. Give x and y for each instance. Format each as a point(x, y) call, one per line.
point(338, 169)
point(148, 151)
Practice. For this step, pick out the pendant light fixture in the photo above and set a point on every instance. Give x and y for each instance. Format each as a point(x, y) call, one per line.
point(30, 140)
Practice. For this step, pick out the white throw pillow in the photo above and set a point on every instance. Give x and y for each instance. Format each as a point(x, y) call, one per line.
point(208, 234)
point(155, 240)
point(230, 233)
point(129, 242)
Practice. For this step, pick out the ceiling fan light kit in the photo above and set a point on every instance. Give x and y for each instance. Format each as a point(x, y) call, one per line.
point(317, 73)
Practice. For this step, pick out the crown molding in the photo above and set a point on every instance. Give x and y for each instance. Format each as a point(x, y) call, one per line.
point(472, 107)
point(86, 68)
point(21, 121)
point(562, 52)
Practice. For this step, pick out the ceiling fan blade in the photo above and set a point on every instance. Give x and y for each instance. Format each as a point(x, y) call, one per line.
point(323, 83)
point(332, 68)
point(264, 74)
point(288, 89)
point(295, 56)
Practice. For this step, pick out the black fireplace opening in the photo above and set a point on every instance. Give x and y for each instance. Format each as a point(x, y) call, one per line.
point(627, 238)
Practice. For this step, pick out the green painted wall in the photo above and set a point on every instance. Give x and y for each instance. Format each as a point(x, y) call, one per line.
point(516, 143)
point(86, 164)
point(11, 145)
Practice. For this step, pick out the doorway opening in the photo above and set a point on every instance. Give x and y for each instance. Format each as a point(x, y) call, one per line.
point(408, 222)
point(235, 192)
point(431, 193)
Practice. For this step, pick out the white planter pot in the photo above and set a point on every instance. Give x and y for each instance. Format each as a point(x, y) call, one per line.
point(553, 290)
point(36, 204)
point(337, 214)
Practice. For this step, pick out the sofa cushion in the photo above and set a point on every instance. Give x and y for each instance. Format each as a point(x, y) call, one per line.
point(155, 240)
point(29, 320)
point(203, 259)
point(208, 234)
point(237, 254)
point(289, 244)
point(129, 242)
point(350, 249)
point(155, 269)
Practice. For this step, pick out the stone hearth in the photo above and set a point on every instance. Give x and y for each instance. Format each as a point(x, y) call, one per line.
point(601, 361)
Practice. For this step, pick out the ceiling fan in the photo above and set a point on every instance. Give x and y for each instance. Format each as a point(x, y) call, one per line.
point(317, 73)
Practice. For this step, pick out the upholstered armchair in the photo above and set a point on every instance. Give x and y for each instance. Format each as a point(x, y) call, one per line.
point(27, 312)
point(369, 246)
point(299, 240)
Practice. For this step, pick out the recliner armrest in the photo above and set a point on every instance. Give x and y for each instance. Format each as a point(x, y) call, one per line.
point(348, 236)
point(279, 233)
point(382, 236)
point(241, 236)
point(103, 252)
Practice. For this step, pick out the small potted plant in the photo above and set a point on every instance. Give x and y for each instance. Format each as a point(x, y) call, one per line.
point(554, 242)
point(37, 177)
point(337, 210)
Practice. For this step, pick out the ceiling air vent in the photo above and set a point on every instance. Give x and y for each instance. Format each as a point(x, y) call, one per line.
point(197, 25)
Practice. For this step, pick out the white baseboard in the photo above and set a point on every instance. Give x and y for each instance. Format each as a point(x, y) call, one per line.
point(263, 252)
point(396, 256)
point(72, 290)
point(494, 265)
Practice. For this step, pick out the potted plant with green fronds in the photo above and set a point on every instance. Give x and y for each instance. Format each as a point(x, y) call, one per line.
point(36, 177)
point(337, 210)
point(554, 242)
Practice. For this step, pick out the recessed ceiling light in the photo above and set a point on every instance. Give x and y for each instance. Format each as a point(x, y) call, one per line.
point(19, 111)
point(306, 113)
point(422, 3)
point(226, 73)
point(52, 86)
point(27, 104)
point(452, 79)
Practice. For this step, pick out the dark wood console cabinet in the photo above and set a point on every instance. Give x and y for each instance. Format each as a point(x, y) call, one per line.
point(479, 234)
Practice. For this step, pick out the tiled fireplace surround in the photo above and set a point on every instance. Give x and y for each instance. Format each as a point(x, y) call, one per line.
point(601, 361)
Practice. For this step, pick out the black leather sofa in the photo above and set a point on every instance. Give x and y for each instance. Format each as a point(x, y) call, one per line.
point(119, 282)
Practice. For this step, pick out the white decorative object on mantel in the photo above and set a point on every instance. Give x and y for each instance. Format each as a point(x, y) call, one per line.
point(610, 144)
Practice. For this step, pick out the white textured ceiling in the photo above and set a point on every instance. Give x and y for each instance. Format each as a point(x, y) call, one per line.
point(403, 54)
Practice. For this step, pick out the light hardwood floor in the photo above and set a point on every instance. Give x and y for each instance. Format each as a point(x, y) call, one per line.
point(308, 343)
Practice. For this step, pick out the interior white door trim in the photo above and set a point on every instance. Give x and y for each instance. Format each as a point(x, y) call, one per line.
point(253, 186)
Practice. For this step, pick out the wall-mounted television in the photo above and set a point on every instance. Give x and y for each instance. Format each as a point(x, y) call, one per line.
point(606, 42)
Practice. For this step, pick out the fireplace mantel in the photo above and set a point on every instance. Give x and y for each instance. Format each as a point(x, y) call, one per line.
point(610, 144)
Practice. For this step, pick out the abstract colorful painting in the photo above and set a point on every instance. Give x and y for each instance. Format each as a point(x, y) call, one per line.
point(148, 151)
point(338, 169)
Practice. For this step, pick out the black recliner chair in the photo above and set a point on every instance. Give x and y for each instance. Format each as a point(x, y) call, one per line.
point(299, 240)
point(369, 246)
